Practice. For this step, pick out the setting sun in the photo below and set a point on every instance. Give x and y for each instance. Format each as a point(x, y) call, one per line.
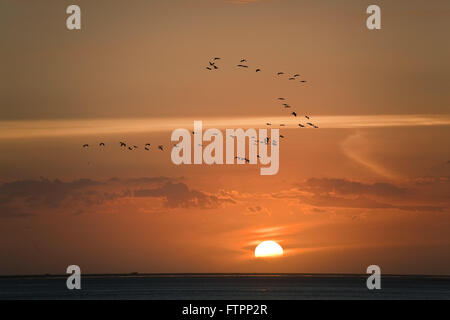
point(268, 249)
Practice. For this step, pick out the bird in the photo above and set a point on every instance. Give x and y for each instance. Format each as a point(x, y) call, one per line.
point(211, 63)
point(146, 148)
point(160, 147)
point(216, 59)
point(258, 70)
point(268, 123)
point(294, 114)
point(316, 127)
point(208, 68)
point(280, 73)
point(136, 147)
point(85, 145)
point(282, 99)
point(242, 66)
point(296, 75)
point(307, 117)
point(300, 125)
point(291, 78)
point(243, 60)
point(215, 67)
point(303, 81)
point(310, 124)
point(102, 144)
point(286, 105)
point(123, 144)
point(130, 148)
point(281, 136)
point(147, 144)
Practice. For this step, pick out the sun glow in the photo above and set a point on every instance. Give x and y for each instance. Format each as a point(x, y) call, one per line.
point(268, 249)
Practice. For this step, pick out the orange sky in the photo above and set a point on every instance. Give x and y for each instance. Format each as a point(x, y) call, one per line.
point(371, 186)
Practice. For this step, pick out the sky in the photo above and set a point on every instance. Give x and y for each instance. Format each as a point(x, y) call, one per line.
point(370, 186)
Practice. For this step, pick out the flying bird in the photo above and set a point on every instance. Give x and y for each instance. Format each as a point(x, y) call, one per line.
point(303, 81)
point(294, 114)
point(208, 68)
point(268, 123)
point(130, 148)
point(216, 67)
point(258, 70)
point(307, 117)
point(300, 125)
point(280, 73)
point(243, 60)
point(211, 63)
point(242, 66)
point(102, 144)
point(160, 147)
point(296, 75)
point(282, 99)
point(216, 59)
point(123, 144)
point(291, 78)
point(85, 145)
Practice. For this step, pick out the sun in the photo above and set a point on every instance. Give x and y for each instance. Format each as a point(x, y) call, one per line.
point(268, 249)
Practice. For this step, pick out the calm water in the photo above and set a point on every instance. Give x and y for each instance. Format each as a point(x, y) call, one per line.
point(225, 287)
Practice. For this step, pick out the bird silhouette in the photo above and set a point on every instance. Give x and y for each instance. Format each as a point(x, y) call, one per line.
point(280, 73)
point(258, 70)
point(291, 78)
point(294, 114)
point(282, 99)
point(286, 105)
point(296, 75)
point(307, 117)
point(215, 67)
point(304, 81)
point(243, 60)
point(85, 145)
point(160, 147)
point(208, 68)
point(130, 148)
point(211, 63)
point(268, 123)
point(300, 125)
point(123, 144)
point(242, 66)
point(146, 148)
point(102, 144)
point(216, 59)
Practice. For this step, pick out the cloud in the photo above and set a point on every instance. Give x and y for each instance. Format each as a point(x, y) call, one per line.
point(31, 197)
point(347, 187)
point(431, 196)
point(179, 195)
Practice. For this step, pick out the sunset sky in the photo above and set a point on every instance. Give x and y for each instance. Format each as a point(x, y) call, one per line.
point(370, 186)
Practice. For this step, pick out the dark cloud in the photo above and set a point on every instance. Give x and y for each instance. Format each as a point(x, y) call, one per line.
point(347, 187)
point(179, 195)
point(27, 197)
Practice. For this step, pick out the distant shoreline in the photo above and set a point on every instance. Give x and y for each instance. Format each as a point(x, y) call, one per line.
point(231, 275)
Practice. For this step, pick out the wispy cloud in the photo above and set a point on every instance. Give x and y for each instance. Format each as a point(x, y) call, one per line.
point(86, 127)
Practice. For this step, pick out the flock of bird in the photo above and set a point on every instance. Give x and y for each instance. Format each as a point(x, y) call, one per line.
point(243, 63)
point(128, 147)
point(212, 66)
